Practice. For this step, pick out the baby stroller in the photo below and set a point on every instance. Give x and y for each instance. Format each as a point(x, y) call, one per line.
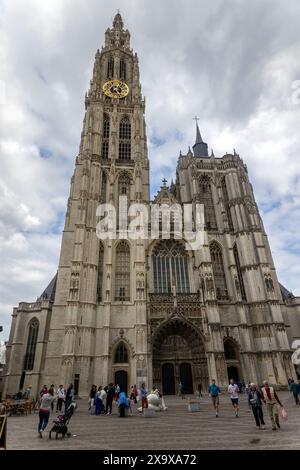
point(61, 423)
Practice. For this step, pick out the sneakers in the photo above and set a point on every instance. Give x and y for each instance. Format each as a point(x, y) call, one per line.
point(217, 415)
point(40, 434)
point(259, 428)
point(263, 427)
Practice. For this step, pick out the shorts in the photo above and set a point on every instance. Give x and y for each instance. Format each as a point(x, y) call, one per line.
point(234, 401)
point(215, 400)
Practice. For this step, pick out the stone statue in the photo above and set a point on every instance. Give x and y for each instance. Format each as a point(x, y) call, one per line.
point(155, 401)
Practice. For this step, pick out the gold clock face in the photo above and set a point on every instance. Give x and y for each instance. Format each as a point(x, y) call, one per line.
point(115, 89)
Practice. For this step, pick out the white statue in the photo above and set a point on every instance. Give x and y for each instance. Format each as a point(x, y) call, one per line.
point(155, 401)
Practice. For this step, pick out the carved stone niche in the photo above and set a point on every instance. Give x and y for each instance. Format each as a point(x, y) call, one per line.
point(141, 362)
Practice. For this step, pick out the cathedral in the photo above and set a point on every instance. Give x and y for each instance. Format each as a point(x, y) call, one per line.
point(149, 310)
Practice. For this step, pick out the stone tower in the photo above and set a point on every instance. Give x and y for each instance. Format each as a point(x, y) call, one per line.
point(96, 308)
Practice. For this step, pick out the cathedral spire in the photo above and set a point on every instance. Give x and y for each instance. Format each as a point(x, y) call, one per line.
point(117, 36)
point(118, 22)
point(200, 147)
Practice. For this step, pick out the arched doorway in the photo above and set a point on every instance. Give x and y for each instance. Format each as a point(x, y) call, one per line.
point(178, 356)
point(121, 378)
point(233, 373)
point(186, 377)
point(168, 379)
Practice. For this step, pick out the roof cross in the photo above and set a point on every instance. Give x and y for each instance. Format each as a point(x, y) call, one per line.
point(164, 181)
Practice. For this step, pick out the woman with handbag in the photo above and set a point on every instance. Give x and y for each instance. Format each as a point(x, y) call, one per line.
point(254, 401)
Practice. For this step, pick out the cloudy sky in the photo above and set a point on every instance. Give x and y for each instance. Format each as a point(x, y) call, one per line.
point(234, 63)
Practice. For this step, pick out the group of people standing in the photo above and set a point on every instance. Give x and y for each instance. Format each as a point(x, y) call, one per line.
point(101, 399)
point(256, 397)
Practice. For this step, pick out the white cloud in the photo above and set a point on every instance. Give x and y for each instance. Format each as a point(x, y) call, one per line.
point(232, 63)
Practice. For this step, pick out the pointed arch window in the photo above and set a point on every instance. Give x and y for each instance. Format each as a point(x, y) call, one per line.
point(218, 271)
point(100, 273)
point(226, 203)
point(230, 350)
point(122, 69)
point(239, 272)
point(33, 330)
point(124, 185)
point(170, 266)
point(125, 139)
point(105, 136)
point(121, 354)
point(122, 275)
point(206, 198)
point(110, 67)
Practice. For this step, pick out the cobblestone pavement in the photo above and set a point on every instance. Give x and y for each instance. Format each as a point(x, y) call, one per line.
point(174, 429)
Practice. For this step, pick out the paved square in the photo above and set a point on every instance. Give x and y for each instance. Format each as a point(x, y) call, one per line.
point(174, 429)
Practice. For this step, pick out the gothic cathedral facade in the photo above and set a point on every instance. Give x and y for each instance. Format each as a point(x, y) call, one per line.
point(148, 310)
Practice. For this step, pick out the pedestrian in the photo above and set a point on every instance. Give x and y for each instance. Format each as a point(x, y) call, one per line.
point(54, 393)
point(44, 390)
point(143, 393)
point(254, 402)
point(233, 391)
point(109, 398)
point(214, 392)
point(123, 404)
point(270, 398)
point(61, 395)
point(99, 406)
point(103, 396)
point(92, 396)
point(69, 396)
point(294, 390)
point(44, 411)
point(181, 390)
point(135, 393)
point(117, 392)
point(199, 390)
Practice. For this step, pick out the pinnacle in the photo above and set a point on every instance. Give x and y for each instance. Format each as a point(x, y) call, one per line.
point(118, 22)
